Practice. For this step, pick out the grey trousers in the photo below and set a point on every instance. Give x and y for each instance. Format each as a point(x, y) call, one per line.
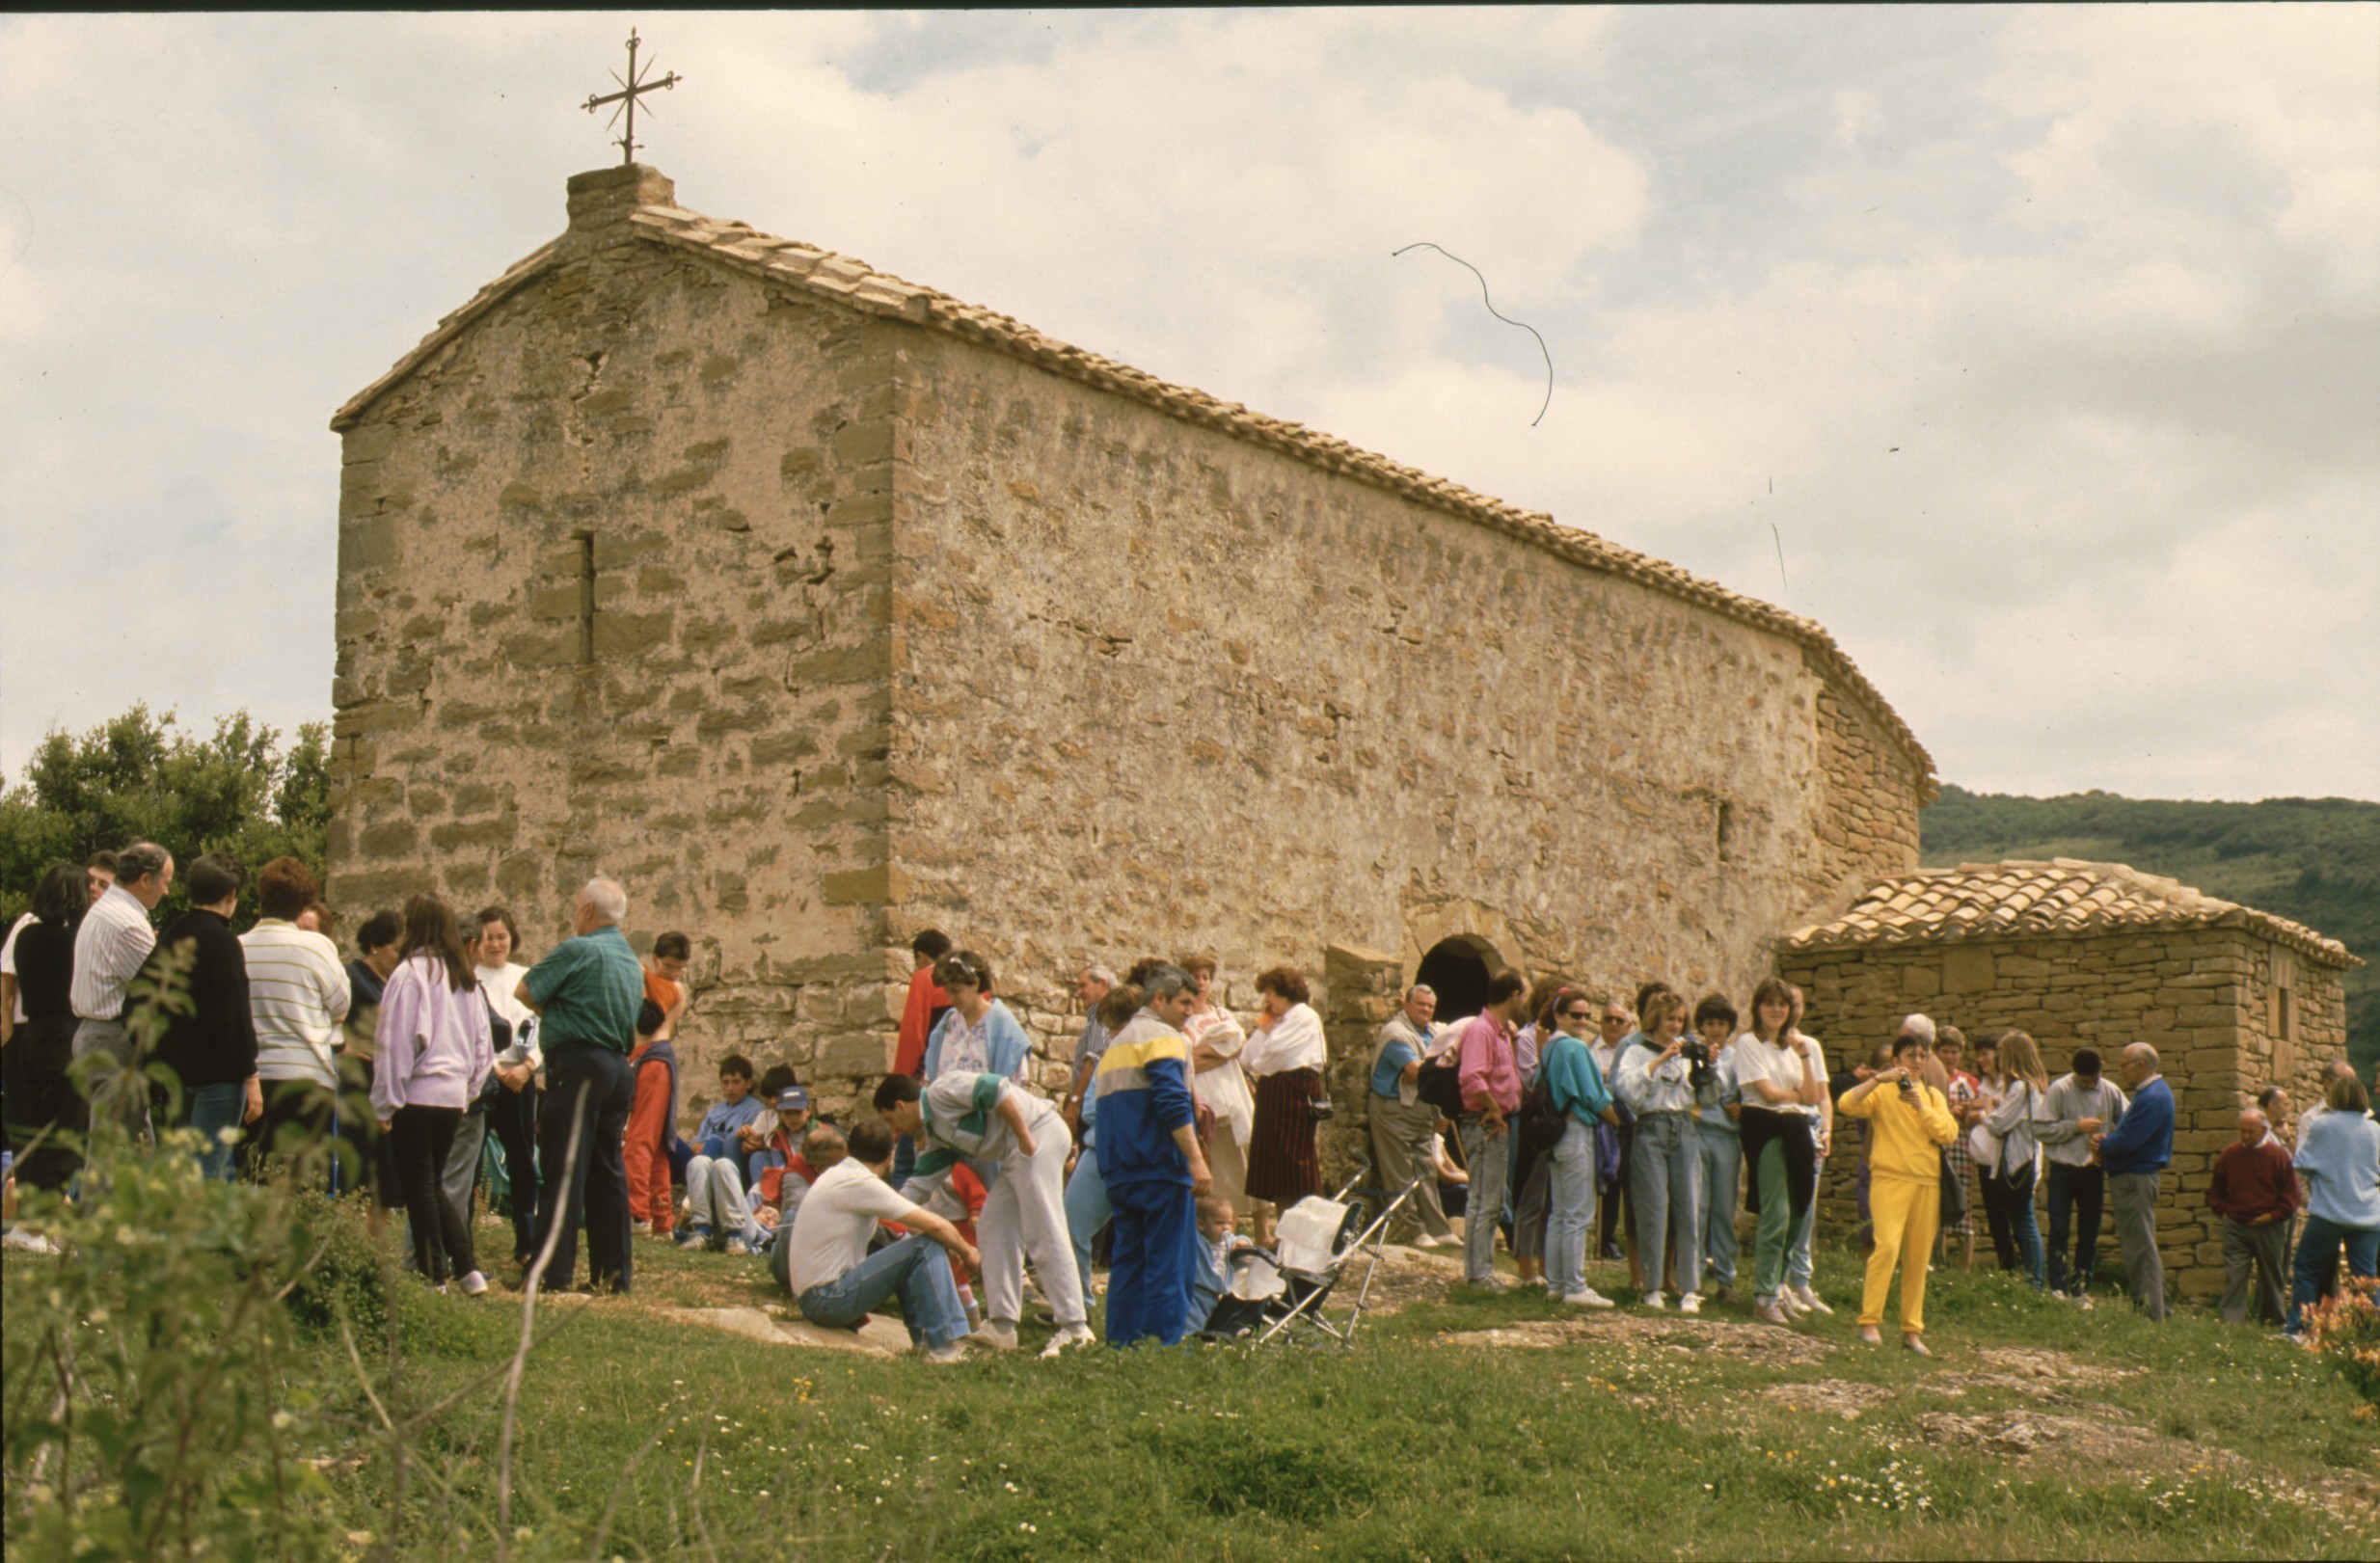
point(2132, 1198)
point(461, 1173)
point(1401, 1144)
point(2264, 1251)
point(114, 1096)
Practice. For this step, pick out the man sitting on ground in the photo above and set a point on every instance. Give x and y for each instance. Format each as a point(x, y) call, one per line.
point(781, 1189)
point(836, 1281)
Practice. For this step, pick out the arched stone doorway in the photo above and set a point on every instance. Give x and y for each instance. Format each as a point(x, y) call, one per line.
point(1458, 970)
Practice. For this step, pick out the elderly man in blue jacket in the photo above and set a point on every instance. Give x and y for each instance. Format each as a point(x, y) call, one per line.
point(2134, 1152)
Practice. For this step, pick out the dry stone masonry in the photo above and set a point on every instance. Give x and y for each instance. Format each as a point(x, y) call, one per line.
point(819, 607)
point(2098, 956)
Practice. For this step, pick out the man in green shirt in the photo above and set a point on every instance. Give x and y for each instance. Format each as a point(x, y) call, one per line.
point(587, 992)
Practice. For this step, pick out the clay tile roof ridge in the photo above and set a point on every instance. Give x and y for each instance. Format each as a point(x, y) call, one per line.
point(2065, 896)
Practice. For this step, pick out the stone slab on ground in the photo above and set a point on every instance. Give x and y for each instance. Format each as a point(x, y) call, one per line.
point(1757, 1342)
point(878, 1337)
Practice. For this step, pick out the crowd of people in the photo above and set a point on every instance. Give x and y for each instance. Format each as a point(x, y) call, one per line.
point(1573, 1124)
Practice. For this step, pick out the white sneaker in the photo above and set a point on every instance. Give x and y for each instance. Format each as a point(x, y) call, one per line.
point(473, 1285)
point(1656, 1300)
point(1810, 1301)
point(1589, 1298)
point(952, 1353)
point(30, 1242)
point(1794, 1308)
point(1490, 1282)
point(738, 1247)
point(1690, 1303)
point(996, 1335)
point(1072, 1335)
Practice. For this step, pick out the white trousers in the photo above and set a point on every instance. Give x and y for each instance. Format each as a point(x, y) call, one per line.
point(714, 1198)
point(1024, 1214)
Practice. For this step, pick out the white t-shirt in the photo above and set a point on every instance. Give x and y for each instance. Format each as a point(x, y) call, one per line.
point(837, 1218)
point(1756, 1060)
point(8, 963)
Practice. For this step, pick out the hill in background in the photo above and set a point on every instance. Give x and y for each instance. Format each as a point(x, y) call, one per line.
point(2314, 861)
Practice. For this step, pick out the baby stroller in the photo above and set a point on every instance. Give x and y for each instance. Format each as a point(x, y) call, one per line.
point(1282, 1294)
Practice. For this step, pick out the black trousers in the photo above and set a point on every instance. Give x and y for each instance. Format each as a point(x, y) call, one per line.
point(420, 1138)
point(1617, 1203)
point(590, 1088)
point(2074, 1191)
point(1996, 1217)
point(512, 1118)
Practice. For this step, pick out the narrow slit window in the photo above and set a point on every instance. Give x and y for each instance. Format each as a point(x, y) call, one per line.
point(587, 599)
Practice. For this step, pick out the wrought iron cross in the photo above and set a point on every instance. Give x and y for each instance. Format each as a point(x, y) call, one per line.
point(627, 96)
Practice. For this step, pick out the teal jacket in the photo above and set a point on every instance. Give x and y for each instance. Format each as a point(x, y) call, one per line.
point(1576, 1084)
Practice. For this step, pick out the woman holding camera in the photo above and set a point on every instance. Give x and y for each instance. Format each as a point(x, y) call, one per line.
point(1910, 1123)
point(1664, 1079)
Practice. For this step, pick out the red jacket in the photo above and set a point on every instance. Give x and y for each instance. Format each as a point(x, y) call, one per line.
point(917, 1020)
point(2253, 1180)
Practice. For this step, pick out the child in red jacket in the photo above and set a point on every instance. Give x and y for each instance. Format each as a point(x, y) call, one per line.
point(652, 1123)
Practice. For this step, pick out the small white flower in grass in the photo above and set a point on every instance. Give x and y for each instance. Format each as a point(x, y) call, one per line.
point(227, 1137)
point(282, 1420)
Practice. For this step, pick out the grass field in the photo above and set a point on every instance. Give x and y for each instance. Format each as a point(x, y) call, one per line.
point(1447, 1431)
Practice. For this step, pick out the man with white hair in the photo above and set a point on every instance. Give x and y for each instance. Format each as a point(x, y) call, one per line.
point(2134, 1152)
point(587, 992)
point(1404, 1128)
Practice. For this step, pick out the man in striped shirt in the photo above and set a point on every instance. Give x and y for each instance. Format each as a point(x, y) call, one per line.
point(298, 993)
point(110, 945)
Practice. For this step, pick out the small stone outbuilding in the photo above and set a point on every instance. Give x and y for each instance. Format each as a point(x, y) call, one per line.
point(2089, 954)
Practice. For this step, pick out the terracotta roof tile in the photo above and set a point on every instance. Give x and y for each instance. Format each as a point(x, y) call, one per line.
point(853, 283)
point(2063, 897)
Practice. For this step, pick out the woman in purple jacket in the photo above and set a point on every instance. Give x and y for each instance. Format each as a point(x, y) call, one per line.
point(433, 1053)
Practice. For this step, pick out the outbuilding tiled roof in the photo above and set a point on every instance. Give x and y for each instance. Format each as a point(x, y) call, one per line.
point(856, 285)
point(2062, 897)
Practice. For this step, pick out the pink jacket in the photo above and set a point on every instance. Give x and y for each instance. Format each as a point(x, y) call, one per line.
point(1489, 1074)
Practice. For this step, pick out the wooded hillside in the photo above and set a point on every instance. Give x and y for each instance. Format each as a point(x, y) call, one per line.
point(2316, 861)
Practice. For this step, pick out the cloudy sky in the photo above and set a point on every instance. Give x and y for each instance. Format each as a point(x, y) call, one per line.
point(2044, 345)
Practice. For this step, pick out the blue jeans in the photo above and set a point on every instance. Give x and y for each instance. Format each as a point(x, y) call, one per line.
point(1723, 1166)
point(1087, 1210)
point(2017, 1198)
point(1484, 1200)
point(1570, 1200)
point(2315, 1274)
point(1665, 1177)
point(213, 1109)
point(916, 1270)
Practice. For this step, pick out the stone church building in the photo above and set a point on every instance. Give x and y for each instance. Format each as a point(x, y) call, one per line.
point(817, 608)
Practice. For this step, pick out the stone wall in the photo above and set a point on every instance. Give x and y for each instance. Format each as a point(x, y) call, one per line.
point(2197, 995)
point(721, 456)
point(1156, 687)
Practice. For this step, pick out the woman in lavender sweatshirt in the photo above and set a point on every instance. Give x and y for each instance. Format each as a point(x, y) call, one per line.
point(433, 1053)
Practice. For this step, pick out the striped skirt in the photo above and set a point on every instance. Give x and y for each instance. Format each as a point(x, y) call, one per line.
point(1282, 1164)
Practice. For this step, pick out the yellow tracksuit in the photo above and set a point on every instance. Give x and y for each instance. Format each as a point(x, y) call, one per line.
point(1905, 1194)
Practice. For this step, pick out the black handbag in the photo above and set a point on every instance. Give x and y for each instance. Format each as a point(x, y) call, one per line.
point(1954, 1195)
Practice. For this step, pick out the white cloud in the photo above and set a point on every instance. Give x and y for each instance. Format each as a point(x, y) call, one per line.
point(2108, 280)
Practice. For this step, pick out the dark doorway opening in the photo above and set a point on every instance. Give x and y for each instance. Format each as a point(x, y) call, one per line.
point(1458, 971)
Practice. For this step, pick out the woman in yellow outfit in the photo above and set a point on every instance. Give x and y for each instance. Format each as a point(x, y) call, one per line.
point(1912, 1124)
